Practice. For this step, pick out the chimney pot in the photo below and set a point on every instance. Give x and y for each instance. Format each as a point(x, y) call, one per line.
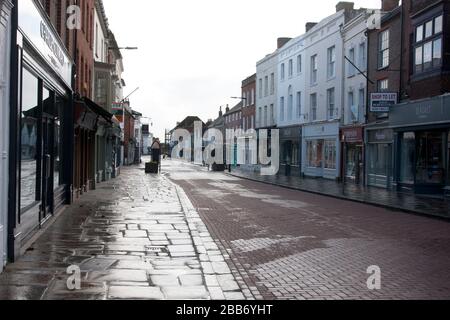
point(345, 5)
point(282, 41)
point(389, 5)
point(310, 25)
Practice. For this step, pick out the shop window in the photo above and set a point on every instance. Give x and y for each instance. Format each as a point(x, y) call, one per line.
point(352, 160)
point(57, 152)
point(430, 158)
point(407, 157)
point(314, 151)
point(29, 138)
point(330, 154)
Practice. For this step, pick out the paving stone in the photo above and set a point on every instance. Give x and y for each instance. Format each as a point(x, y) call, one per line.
point(216, 293)
point(186, 293)
point(164, 280)
point(220, 267)
point(118, 275)
point(136, 234)
point(134, 293)
point(190, 280)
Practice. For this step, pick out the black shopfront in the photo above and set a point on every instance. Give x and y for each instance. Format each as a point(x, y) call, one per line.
point(41, 125)
point(290, 151)
point(422, 145)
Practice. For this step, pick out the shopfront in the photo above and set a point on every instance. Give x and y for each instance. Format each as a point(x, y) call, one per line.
point(422, 145)
point(5, 30)
point(352, 140)
point(379, 157)
point(42, 127)
point(321, 150)
point(290, 151)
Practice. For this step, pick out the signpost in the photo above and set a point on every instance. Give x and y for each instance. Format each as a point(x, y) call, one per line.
point(382, 101)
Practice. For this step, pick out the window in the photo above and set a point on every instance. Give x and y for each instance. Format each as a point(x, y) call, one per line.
point(383, 59)
point(299, 64)
point(272, 118)
point(314, 151)
point(314, 107)
point(299, 104)
point(282, 72)
point(362, 103)
point(351, 106)
point(266, 86)
point(428, 45)
point(314, 68)
point(330, 154)
point(331, 67)
point(282, 109)
point(383, 85)
point(419, 33)
point(260, 88)
point(265, 116)
point(291, 68)
point(428, 29)
point(438, 25)
point(290, 104)
point(252, 97)
point(29, 136)
point(260, 115)
point(272, 84)
point(331, 103)
point(351, 67)
point(362, 56)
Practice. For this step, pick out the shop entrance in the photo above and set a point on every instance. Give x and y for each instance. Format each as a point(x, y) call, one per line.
point(430, 168)
point(354, 163)
point(48, 129)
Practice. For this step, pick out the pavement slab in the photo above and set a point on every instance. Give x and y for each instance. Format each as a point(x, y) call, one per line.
point(131, 238)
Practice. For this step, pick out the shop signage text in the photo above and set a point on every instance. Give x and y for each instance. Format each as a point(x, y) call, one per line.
point(44, 39)
point(382, 101)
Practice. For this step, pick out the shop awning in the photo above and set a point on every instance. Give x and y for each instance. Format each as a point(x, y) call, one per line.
point(98, 110)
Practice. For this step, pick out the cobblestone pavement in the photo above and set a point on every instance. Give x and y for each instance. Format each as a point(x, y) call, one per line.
point(135, 237)
point(287, 244)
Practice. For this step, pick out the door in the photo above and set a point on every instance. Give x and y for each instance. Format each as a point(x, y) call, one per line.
point(47, 167)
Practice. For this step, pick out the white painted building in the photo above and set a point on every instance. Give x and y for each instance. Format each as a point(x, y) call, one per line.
point(355, 96)
point(5, 31)
point(324, 100)
point(100, 33)
point(291, 99)
point(266, 91)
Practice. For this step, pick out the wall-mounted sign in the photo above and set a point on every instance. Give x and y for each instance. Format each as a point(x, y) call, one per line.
point(44, 39)
point(382, 101)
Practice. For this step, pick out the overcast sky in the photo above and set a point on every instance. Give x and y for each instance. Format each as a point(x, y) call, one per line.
point(193, 54)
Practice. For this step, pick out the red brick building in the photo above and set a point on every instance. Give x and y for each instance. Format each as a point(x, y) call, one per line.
point(409, 68)
point(249, 102)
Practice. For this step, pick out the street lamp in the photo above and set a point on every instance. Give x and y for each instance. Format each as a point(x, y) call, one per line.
point(124, 48)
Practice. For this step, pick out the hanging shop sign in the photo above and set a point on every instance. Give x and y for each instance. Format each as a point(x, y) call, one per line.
point(382, 101)
point(38, 31)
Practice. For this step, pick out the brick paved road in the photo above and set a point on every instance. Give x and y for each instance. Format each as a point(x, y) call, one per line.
point(293, 245)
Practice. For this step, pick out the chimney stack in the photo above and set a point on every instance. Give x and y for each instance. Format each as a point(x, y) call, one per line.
point(344, 5)
point(389, 5)
point(227, 109)
point(220, 112)
point(310, 25)
point(282, 41)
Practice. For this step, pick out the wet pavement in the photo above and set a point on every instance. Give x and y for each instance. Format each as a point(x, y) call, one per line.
point(438, 206)
point(135, 237)
point(193, 234)
point(288, 244)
